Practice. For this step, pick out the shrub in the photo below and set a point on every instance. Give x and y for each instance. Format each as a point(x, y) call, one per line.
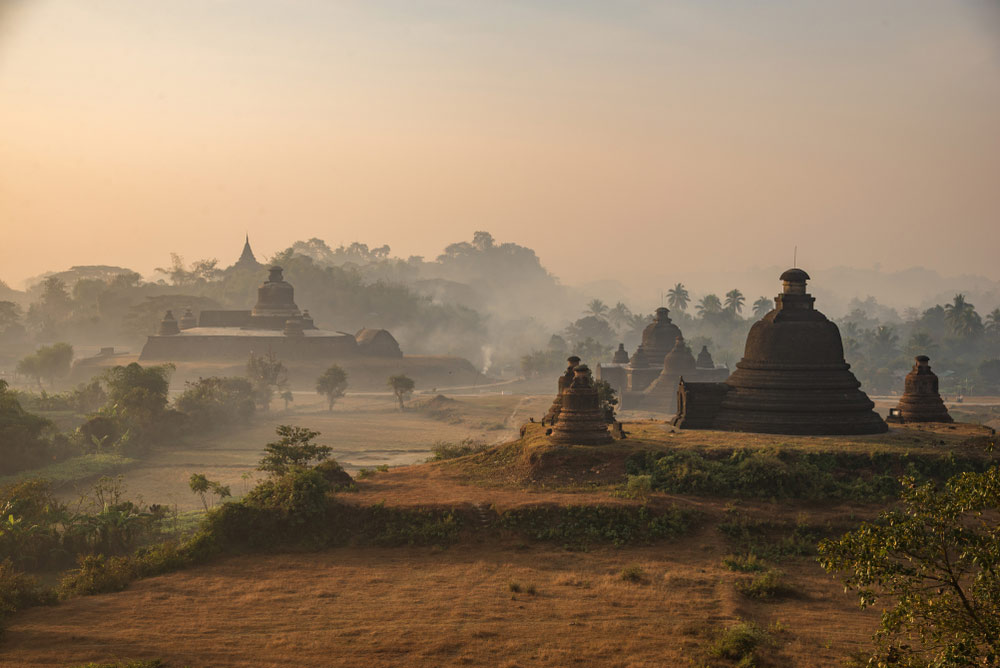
point(591, 524)
point(744, 563)
point(639, 486)
point(515, 587)
point(216, 402)
point(294, 450)
point(632, 573)
point(741, 643)
point(777, 473)
point(442, 450)
point(97, 574)
point(155, 663)
point(18, 590)
point(766, 586)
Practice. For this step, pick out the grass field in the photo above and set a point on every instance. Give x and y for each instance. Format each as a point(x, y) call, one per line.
point(497, 596)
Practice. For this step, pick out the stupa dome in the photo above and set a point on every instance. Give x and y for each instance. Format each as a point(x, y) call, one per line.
point(276, 297)
point(793, 378)
point(680, 360)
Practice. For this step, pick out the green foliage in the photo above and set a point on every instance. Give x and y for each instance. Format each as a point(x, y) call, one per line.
point(741, 643)
point(155, 663)
point(266, 373)
point(299, 495)
point(22, 441)
point(332, 384)
point(769, 539)
point(402, 387)
point(933, 565)
point(137, 399)
point(638, 486)
point(442, 450)
point(294, 450)
point(202, 486)
point(48, 362)
point(633, 573)
point(744, 563)
point(765, 586)
point(216, 402)
point(581, 525)
point(784, 473)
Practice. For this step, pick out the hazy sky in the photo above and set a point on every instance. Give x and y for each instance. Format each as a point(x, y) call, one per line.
point(612, 137)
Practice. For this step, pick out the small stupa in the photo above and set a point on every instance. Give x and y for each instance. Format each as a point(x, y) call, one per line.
point(275, 302)
point(168, 326)
point(621, 355)
point(705, 360)
point(921, 401)
point(662, 393)
point(564, 380)
point(581, 420)
point(793, 378)
point(188, 320)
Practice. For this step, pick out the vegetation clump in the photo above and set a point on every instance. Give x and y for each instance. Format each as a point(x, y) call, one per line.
point(442, 450)
point(581, 525)
point(933, 565)
point(742, 643)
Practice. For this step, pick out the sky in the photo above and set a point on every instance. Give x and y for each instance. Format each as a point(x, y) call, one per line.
point(621, 140)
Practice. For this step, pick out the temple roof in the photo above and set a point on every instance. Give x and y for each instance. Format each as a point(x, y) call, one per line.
point(247, 258)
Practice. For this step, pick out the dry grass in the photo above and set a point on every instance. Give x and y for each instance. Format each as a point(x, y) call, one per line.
point(425, 607)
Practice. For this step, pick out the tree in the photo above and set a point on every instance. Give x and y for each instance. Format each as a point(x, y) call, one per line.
point(48, 362)
point(596, 308)
point(293, 451)
point(619, 315)
point(762, 307)
point(202, 486)
point(332, 384)
point(217, 401)
point(709, 305)
point(266, 374)
point(920, 343)
point(22, 444)
point(962, 317)
point(993, 324)
point(735, 301)
point(678, 297)
point(137, 399)
point(402, 386)
point(934, 567)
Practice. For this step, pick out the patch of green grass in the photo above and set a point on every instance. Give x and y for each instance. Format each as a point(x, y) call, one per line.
point(443, 450)
point(74, 469)
point(581, 525)
point(771, 540)
point(741, 643)
point(744, 563)
point(765, 586)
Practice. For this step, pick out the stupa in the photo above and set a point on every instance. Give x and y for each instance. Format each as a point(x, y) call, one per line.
point(705, 360)
point(793, 378)
point(168, 326)
point(921, 401)
point(661, 395)
point(581, 420)
point(188, 320)
point(564, 381)
point(658, 340)
point(621, 355)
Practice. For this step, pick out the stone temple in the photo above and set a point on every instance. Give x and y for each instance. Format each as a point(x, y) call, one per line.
point(921, 401)
point(648, 380)
point(580, 420)
point(275, 323)
point(793, 378)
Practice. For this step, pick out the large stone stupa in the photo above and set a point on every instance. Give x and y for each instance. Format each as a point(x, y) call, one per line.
point(793, 378)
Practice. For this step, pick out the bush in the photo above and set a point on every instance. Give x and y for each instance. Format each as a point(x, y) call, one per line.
point(216, 402)
point(765, 586)
point(23, 444)
point(632, 573)
point(741, 643)
point(97, 574)
point(442, 450)
point(777, 473)
point(748, 563)
point(18, 590)
point(597, 524)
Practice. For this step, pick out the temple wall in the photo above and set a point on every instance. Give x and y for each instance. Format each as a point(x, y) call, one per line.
point(192, 348)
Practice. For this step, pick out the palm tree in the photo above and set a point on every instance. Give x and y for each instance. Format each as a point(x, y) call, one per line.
point(619, 315)
point(962, 317)
point(920, 343)
point(596, 307)
point(735, 301)
point(678, 297)
point(709, 305)
point(993, 323)
point(883, 342)
point(762, 307)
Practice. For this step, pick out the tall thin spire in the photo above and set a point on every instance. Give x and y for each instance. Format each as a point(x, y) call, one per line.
point(247, 257)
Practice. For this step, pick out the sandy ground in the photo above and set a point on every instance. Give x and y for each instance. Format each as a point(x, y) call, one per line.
point(452, 607)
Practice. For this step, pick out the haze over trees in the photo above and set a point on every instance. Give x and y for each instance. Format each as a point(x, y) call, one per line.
point(332, 384)
point(402, 387)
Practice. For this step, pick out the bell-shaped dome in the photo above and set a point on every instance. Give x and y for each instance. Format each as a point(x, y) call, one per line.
point(276, 297)
point(921, 401)
point(657, 339)
point(793, 378)
point(621, 356)
point(705, 360)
